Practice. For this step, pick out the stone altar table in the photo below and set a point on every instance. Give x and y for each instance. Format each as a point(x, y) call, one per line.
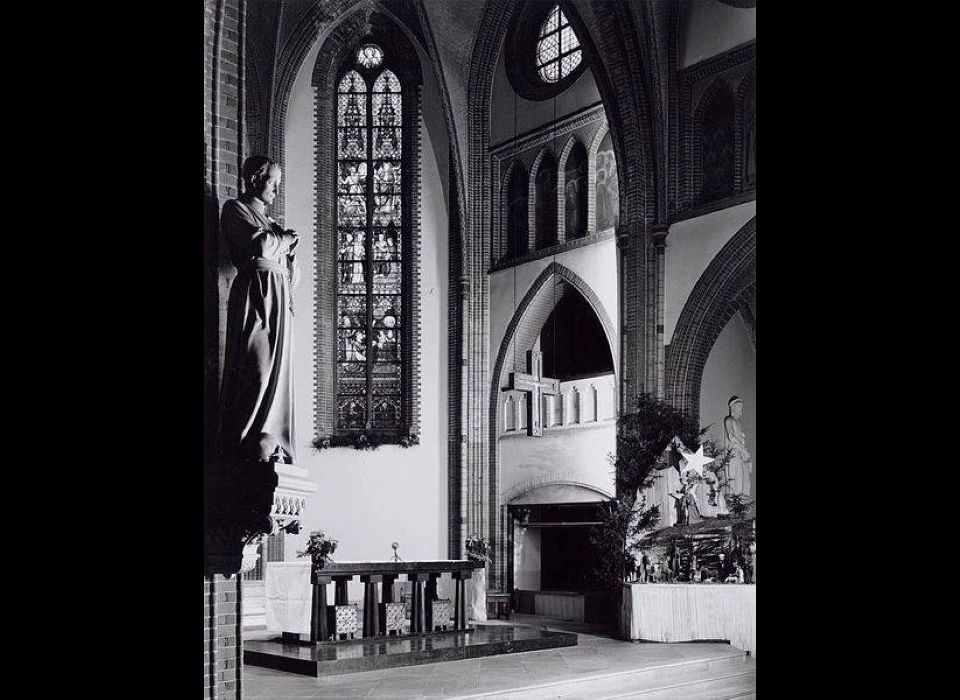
point(293, 608)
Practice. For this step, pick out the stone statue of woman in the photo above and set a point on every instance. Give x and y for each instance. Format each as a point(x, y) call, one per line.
point(740, 466)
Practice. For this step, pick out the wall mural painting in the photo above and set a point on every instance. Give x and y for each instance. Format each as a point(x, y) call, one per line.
point(608, 189)
point(546, 204)
point(575, 193)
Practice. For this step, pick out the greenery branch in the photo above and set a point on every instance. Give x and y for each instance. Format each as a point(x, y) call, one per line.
point(365, 441)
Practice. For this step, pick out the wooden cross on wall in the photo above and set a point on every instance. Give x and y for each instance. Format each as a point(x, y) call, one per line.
point(535, 385)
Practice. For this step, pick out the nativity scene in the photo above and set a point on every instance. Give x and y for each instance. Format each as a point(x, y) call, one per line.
point(480, 345)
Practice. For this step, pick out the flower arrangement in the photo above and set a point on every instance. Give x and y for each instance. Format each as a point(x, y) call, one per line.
point(477, 548)
point(319, 548)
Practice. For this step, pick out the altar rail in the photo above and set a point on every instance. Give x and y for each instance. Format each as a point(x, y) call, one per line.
point(582, 401)
point(288, 579)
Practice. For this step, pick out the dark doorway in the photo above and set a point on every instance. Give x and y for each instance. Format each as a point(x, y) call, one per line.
point(568, 561)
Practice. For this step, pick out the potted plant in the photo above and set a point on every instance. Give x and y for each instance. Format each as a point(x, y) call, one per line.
point(646, 439)
point(319, 548)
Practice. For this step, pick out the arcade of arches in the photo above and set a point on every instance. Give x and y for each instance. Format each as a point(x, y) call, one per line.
point(496, 268)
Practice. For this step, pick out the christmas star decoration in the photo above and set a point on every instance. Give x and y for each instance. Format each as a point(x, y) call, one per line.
point(695, 460)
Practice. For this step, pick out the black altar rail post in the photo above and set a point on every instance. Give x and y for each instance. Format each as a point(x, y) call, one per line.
point(319, 632)
point(371, 618)
point(374, 574)
point(460, 603)
point(417, 613)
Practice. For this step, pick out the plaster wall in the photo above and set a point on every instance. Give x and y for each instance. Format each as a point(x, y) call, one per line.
point(691, 245)
point(596, 264)
point(506, 106)
point(570, 454)
point(709, 27)
point(368, 499)
point(731, 370)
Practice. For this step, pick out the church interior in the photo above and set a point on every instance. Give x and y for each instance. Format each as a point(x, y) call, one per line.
point(498, 223)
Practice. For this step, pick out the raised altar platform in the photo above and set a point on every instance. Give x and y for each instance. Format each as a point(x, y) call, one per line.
point(333, 658)
point(684, 612)
point(322, 639)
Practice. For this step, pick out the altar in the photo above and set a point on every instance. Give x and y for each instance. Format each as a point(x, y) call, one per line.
point(343, 637)
point(296, 597)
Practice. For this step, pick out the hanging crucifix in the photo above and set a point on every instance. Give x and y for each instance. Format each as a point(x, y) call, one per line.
point(535, 385)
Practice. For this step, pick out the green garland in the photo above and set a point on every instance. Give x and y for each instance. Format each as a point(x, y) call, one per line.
point(363, 441)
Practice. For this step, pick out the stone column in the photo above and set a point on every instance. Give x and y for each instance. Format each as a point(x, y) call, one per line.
point(660, 247)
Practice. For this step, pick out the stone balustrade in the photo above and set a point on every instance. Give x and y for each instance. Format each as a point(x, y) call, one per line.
point(586, 401)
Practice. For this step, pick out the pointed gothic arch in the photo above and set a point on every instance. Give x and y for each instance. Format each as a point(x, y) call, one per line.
point(536, 305)
point(323, 21)
point(727, 286)
point(532, 196)
point(592, 151)
point(511, 213)
point(562, 200)
point(718, 96)
point(624, 66)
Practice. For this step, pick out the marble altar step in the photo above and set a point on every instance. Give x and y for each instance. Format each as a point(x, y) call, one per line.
point(723, 676)
point(360, 655)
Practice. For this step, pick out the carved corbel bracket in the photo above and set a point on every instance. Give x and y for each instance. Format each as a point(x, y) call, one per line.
point(290, 497)
point(238, 503)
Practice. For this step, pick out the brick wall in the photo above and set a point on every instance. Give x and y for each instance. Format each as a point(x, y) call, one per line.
point(222, 642)
point(223, 29)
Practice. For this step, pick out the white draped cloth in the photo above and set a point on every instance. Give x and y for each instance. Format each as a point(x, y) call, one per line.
point(289, 596)
point(476, 590)
point(686, 612)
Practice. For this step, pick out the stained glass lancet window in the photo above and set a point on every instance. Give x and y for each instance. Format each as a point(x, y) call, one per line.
point(558, 50)
point(369, 210)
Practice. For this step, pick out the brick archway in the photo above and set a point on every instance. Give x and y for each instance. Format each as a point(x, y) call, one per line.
point(727, 286)
point(525, 324)
point(624, 66)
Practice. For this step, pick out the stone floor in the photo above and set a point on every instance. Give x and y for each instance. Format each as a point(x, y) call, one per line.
point(597, 657)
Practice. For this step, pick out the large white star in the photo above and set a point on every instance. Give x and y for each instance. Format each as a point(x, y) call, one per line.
point(695, 460)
